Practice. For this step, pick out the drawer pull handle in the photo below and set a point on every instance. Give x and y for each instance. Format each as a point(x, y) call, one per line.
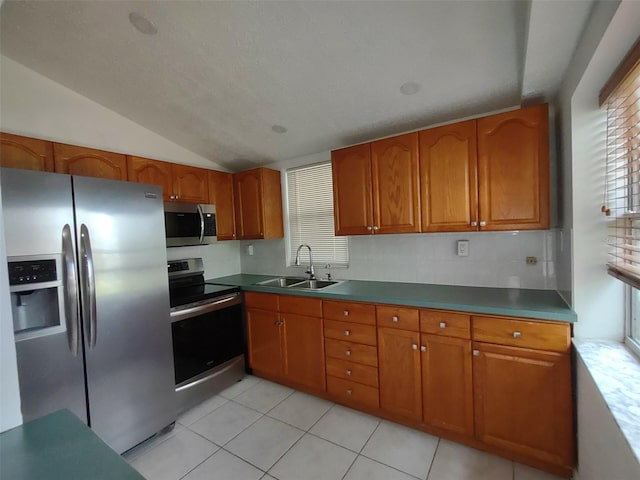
point(348, 353)
point(476, 353)
point(517, 334)
point(394, 319)
point(349, 391)
point(423, 348)
point(443, 325)
point(348, 372)
point(347, 333)
point(414, 346)
point(345, 313)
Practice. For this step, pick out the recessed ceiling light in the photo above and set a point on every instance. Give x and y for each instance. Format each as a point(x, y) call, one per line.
point(142, 24)
point(279, 129)
point(410, 88)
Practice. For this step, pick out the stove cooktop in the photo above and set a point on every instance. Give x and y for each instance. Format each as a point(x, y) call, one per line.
point(183, 295)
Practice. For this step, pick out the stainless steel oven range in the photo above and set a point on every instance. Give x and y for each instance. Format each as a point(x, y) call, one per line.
point(208, 333)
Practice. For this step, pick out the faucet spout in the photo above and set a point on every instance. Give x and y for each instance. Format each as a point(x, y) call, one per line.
point(311, 272)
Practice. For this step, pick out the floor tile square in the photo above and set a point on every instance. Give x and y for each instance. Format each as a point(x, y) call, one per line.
point(263, 396)
point(457, 461)
point(237, 388)
point(264, 442)
point(225, 422)
point(301, 410)
point(406, 449)
point(174, 457)
point(524, 472)
point(346, 427)
point(150, 444)
point(202, 409)
point(366, 469)
point(224, 466)
point(313, 459)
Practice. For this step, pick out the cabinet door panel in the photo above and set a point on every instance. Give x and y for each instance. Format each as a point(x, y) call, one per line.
point(26, 153)
point(395, 184)
point(145, 170)
point(221, 195)
point(448, 157)
point(248, 196)
point(399, 367)
point(304, 350)
point(352, 203)
point(513, 169)
point(88, 162)
point(265, 348)
point(447, 383)
point(523, 401)
point(190, 183)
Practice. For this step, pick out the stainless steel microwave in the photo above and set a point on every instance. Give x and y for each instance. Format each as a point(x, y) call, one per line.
point(189, 224)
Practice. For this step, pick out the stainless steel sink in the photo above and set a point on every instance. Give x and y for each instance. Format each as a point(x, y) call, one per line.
point(282, 281)
point(314, 284)
point(298, 283)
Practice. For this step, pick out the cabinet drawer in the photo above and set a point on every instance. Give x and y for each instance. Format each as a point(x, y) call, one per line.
point(397, 317)
point(522, 333)
point(351, 371)
point(354, 332)
point(311, 307)
point(263, 301)
point(353, 392)
point(364, 354)
point(449, 324)
point(349, 311)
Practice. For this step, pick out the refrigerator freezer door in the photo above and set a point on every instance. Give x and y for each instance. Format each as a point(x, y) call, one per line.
point(129, 359)
point(36, 206)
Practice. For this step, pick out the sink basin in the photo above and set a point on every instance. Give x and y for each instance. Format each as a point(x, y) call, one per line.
point(282, 281)
point(314, 284)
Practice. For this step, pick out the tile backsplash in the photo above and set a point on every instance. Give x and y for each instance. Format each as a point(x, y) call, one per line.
point(496, 259)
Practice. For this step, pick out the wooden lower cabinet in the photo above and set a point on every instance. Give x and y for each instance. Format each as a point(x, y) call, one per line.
point(265, 344)
point(304, 350)
point(523, 401)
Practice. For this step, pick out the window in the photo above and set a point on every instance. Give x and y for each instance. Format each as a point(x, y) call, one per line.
point(621, 96)
point(310, 204)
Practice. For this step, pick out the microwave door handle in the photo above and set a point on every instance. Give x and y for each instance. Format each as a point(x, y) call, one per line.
point(89, 286)
point(201, 213)
point(70, 289)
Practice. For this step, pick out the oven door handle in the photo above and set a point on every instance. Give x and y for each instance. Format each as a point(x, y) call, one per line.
point(219, 304)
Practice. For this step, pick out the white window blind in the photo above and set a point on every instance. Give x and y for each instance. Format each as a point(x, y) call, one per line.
point(310, 202)
point(622, 196)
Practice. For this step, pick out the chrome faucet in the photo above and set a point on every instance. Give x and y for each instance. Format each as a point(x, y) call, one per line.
point(310, 272)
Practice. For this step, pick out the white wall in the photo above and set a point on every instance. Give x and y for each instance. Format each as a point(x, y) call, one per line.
point(219, 259)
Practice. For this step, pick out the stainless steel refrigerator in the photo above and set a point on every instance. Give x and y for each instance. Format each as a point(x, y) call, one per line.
point(90, 302)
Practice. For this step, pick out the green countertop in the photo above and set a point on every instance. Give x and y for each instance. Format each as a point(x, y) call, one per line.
point(59, 446)
point(538, 304)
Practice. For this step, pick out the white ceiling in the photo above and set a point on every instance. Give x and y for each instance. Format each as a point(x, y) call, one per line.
point(218, 75)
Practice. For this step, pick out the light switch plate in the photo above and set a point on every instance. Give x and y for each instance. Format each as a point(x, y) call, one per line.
point(463, 248)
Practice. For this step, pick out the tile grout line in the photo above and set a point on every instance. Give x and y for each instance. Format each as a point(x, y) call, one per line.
point(433, 459)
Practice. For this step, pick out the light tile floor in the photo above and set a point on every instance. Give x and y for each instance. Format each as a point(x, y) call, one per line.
point(258, 430)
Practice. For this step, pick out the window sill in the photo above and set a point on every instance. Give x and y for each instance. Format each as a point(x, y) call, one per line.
point(616, 373)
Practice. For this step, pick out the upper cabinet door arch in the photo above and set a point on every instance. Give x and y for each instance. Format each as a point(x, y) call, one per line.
point(145, 170)
point(89, 162)
point(26, 153)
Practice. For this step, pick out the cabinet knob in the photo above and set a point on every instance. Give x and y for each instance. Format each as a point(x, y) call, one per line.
point(483, 223)
point(394, 319)
point(369, 227)
point(375, 227)
point(423, 348)
point(275, 323)
point(348, 372)
point(345, 313)
point(347, 353)
point(474, 224)
point(517, 334)
point(476, 353)
point(233, 235)
point(349, 392)
point(414, 346)
point(443, 325)
point(347, 333)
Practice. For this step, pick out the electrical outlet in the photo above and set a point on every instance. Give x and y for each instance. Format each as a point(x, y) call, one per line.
point(532, 260)
point(463, 248)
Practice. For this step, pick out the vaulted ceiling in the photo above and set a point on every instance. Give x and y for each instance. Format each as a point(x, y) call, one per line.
point(220, 78)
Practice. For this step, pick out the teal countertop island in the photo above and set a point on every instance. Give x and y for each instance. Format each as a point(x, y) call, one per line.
point(59, 446)
point(537, 304)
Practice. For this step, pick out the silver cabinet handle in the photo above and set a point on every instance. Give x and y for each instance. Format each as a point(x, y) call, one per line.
point(517, 334)
point(70, 286)
point(89, 286)
point(423, 348)
point(476, 353)
point(345, 313)
point(394, 319)
point(474, 224)
point(443, 325)
point(347, 353)
point(414, 346)
point(483, 223)
point(348, 372)
point(347, 333)
point(369, 227)
point(349, 391)
point(375, 227)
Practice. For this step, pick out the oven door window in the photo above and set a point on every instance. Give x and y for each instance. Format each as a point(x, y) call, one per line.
point(203, 342)
point(178, 225)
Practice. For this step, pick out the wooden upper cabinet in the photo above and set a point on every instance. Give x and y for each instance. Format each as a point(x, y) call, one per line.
point(449, 194)
point(396, 184)
point(89, 162)
point(513, 170)
point(26, 153)
point(352, 197)
point(221, 195)
point(258, 204)
point(190, 184)
point(145, 170)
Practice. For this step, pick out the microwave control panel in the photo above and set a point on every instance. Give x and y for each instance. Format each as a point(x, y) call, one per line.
point(32, 271)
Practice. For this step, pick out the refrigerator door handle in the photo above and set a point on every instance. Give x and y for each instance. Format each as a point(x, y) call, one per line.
point(70, 288)
point(89, 287)
point(201, 213)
